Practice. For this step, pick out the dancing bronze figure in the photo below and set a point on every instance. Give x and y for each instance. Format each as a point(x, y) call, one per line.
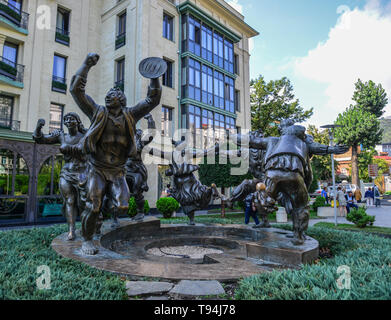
point(110, 141)
point(73, 174)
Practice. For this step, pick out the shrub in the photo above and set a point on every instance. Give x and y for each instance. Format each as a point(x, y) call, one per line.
point(167, 206)
point(319, 202)
point(360, 217)
point(367, 256)
point(132, 211)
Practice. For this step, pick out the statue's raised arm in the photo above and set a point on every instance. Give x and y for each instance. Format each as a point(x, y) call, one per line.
point(78, 85)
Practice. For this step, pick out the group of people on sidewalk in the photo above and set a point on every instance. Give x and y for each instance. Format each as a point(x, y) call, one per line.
point(348, 200)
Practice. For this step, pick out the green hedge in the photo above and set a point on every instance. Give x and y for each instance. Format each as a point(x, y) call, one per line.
point(367, 256)
point(167, 206)
point(24, 250)
point(132, 211)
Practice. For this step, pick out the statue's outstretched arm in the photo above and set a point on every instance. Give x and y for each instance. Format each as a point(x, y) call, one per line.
point(78, 84)
point(41, 138)
point(322, 149)
point(150, 102)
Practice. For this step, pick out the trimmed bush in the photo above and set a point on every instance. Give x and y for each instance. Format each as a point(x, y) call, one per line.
point(319, 202)
point(360, 217)
point(167, 206)
point(367, 256)
point(133, 207)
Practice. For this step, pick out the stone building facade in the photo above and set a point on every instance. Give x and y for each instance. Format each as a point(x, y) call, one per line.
point(205, 42)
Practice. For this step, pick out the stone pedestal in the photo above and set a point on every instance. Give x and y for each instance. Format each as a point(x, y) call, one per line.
point(245, 251)
point(281, 215)
point(325, 212)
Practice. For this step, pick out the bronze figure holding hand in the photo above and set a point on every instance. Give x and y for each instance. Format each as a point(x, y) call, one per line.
point(73, 174)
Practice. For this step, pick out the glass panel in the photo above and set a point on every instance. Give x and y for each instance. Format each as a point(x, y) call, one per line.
point(56, 114)
point(10, 53)
point(59, 67)
point(6, 105)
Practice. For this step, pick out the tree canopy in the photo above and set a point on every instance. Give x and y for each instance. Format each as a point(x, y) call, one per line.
point(272, 102)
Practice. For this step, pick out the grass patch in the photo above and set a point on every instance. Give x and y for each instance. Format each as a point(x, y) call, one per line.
point(367, 256)
point(352, 227)
point(22, 251)
point(230, 218)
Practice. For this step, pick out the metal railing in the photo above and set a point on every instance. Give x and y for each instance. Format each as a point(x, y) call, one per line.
point(62, 36)
point(59, 84)
point(120, 40)
point(13, 14)
point(10, 124)
point(11, 69)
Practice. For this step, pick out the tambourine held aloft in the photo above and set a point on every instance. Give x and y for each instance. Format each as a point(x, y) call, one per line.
point(152, 68)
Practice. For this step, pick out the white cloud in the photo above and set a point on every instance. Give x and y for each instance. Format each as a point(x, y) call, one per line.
point(358, 46)
point(236, 5)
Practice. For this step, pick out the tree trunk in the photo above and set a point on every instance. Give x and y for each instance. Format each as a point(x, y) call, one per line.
point(355, 172)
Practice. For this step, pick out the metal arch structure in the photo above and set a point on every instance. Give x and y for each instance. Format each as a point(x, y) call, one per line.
point(34, 156)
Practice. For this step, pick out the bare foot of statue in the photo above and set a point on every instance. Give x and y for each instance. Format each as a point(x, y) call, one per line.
point(71, 235)
point(139, 217)
point(88, 248)
point(298, 240)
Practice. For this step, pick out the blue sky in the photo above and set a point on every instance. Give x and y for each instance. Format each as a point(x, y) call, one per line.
point(322, 46)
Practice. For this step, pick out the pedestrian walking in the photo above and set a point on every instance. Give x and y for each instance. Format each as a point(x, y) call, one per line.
point(342, 202)
point(325, 195)
point(250, 210)
point(358, 195)
point(376, 194)
point(369, 197)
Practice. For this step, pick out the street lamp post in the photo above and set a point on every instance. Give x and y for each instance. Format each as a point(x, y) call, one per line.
point(330, 128)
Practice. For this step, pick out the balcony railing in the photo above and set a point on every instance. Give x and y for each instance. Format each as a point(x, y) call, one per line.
point(13, 14)
point(59, 84)
point(62, 36)
point(120, 84)
point(120, 40)
point(11, 70)
point(9, 124)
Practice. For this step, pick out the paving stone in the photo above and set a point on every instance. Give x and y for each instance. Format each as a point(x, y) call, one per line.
point(198, 288)
point(158, 298)
point(142, 288)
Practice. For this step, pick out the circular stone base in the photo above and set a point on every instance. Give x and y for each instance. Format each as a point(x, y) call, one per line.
point(239, 251)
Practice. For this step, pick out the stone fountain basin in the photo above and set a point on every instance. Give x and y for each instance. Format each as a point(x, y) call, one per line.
point(244, 251)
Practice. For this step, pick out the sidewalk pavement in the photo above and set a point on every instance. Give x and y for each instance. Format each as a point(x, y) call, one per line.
point(382, 217)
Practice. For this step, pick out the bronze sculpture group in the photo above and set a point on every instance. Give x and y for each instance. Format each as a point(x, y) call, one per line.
point(104, 167)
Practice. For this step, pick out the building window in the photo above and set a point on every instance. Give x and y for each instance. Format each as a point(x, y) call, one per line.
point(62, 27)
point(167, 124)
point(8, 65)
point(203, 84)
point(194, 80)
point(56, 117)
point(15, 5)
point(120, 74)
point(207, 127)
point(121, 32)
point(168, 76)
point(237, 100)
point(207, 43)
point(6, 108)
point(194, 36)
point(203, 41)
point(168, 27)
point(59, 83)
